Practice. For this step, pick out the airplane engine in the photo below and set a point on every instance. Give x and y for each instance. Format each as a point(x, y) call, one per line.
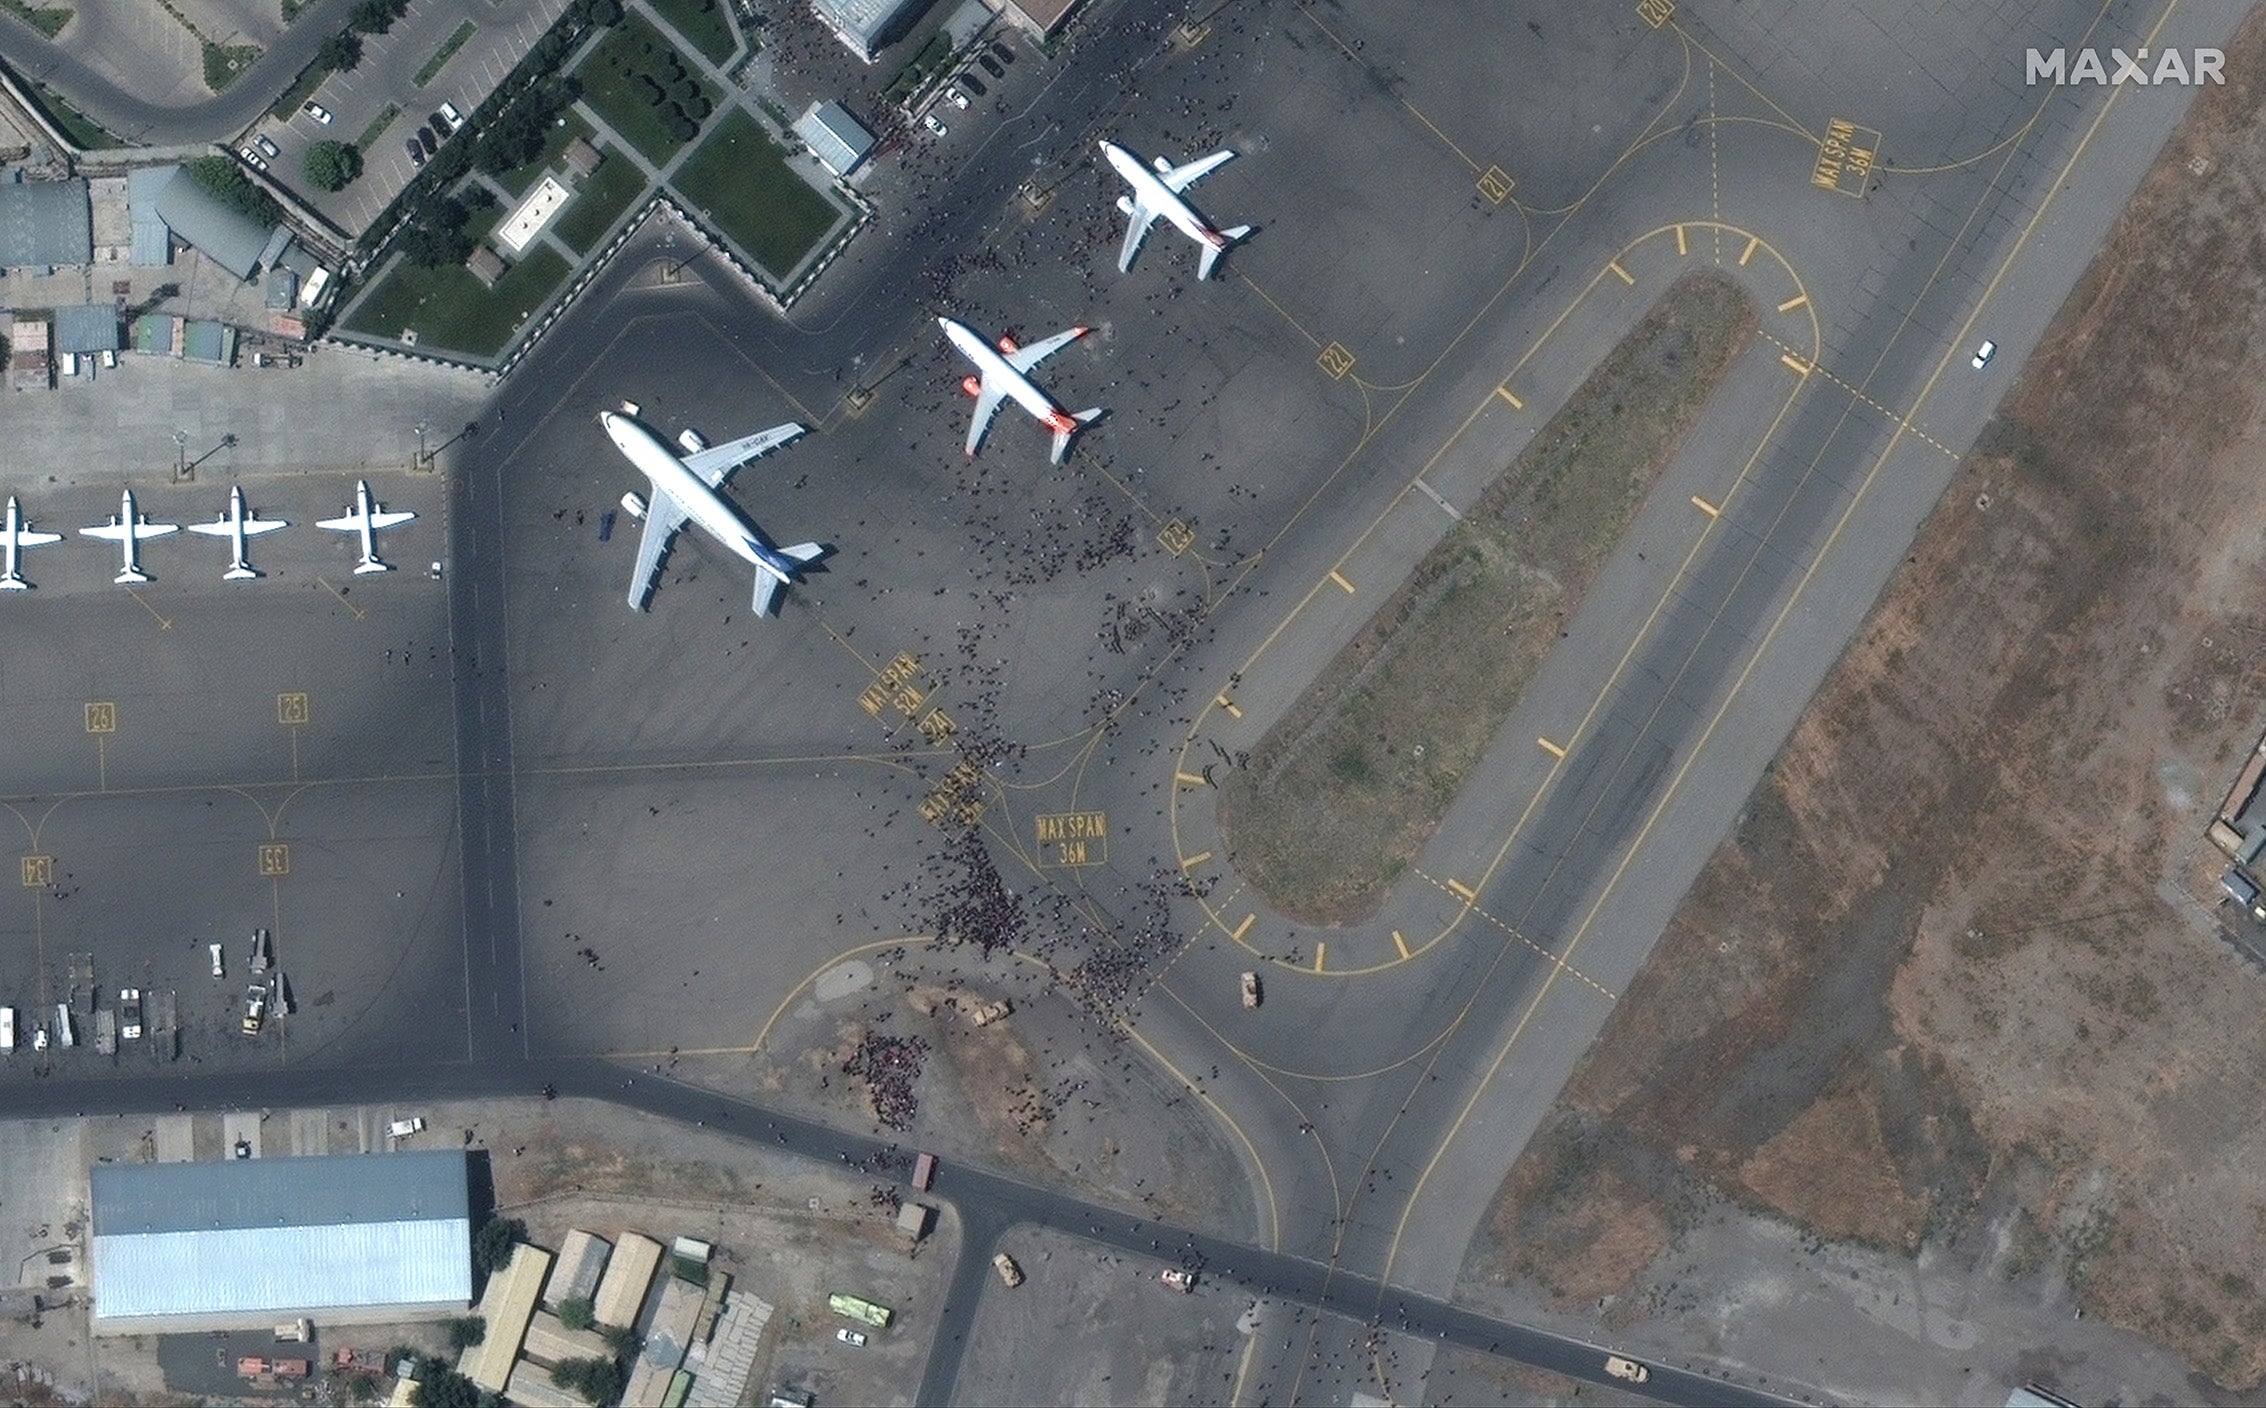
point(634, 505)
point(973, 385)
point(1124, 205)
point(1007, 345)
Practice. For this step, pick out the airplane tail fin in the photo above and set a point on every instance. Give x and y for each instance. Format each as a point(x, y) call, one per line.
point(238, 574)
point(1062, 437)
point(370, 564)
point(1212, 253)
point(803, 552)
point(131, 576)
point(13, 582)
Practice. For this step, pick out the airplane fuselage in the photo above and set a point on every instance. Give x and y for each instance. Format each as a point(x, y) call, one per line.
point(703, 505)
point(1161, 198)
point(992, 367)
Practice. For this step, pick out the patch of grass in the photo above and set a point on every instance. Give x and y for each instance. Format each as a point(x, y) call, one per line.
point(378, 125)
point(47, 19)
point(1346, 788)
point(82, 131)
point(442, 55)
point(519, 179)
point(705, 24)
point(740, 180)
point(225, 63)
point(932, 56)
point(451, 312)
point(641, 86)
point(609, 191)
point(302, 88)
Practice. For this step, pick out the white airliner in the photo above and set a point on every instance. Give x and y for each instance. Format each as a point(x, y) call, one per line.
point(236, 525)
point(366, 516)
point(127, 530)
point(1005, 373)
point(14, 538)
point(1158, 193)
point(685, 486)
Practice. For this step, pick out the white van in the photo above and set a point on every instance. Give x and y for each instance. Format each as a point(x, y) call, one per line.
point(64, 1036)
point(7, 1028)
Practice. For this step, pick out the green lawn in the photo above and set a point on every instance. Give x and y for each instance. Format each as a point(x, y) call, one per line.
point(703, 23)
point(520, 178)
point(451, 312)
point(641, 86)
point(225, 63)
point(302, 88)
point(740, 180)
point(604, 197)
point(47, 19)
point(378, 125)
point(446, 52)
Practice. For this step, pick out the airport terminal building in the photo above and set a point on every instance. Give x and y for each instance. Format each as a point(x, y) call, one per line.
point(247, 1243)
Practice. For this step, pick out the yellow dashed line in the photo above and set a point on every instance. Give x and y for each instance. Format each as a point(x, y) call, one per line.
point(1796, 364)
point(1855, 394)
point(1462, 891)
point(1339, 578)
point(1188, 779)
point(1225, 703)
point(1551, 748)
point(1626, 277)
point(1195, 860)
point(1505, 393)
point(1244, 927)
point(1793, 303)
point(1555, 960)
point(1321, 951)
point(1400, 943)
point(1681, 247)
point(1705, 507)
point(1754, 242)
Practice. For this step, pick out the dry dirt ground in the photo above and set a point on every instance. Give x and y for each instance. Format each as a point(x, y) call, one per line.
point(1952, 1009)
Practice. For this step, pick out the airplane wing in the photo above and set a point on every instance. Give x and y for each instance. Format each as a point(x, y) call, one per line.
point(253, 527)
point(1181, 178)
point(766, 594)
point(1023, 359)
point(25, 537)
point(387, 519)
point(663, 517)
point(987, 402)
point(218, 528)
point(1138, 219)
point(716, 463)
point(116, 531)
point(351, 523)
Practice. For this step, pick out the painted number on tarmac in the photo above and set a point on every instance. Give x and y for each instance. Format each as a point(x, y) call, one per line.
point(1073, 838)
point(1496, 185)
point(275, 858)
point(102, 717)
point(39, 872)
point(1845, 157)
point(291, 710)
point(902, 686)
point(1335, 361)
point(1656, 12)
point(1176, 537)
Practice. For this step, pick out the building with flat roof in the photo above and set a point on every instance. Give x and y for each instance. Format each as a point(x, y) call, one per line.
point(621, 1292)
point(507, 1305)
point(219, 231)
point(582, 1260)
point(45, 224)
point(152, 242)
point(204, 340)
point(243, 1243)
point(83, 328)
point(868, 25)
point(834, 137)
point(1039, 18)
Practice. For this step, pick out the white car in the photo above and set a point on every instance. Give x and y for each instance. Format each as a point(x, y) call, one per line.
point(956, 98)
point(933, 125)
point(318, 112)
point(402, 1129)
point(855, 1339)
point(455, 118)
point(130, 1013)
point(1983, 354)
point(219, 970)
point(252, 158)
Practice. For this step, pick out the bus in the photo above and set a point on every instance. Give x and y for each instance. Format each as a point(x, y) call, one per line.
point(857, 1308)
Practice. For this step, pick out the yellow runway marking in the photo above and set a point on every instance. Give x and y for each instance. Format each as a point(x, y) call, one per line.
point(1551, 748)
point(1462, 891)
point(342, 601)
point(1681, 247)
point(1705, 507)
point(1339, 578)
point(1187, 779)
point(1195, 860)
point(1795, 364)
point(166, 625)
point(1244, 927)
point(1754, 242)
point(39, 872)
point(1902, 422)
point(1793, 303)
point(1505, 393)
point(1225, 703)
point(1625, 276)
point(1321, 951)
point(1400, 943)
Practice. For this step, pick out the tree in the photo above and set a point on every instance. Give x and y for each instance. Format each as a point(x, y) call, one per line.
point(492, 1244)
point(375, 16)
point(466, 1331)
point(341, 52)
point(439, 1386)
point(576, 1314)
point(228, 184)
point(599, 1381)
point(621, 1339)
point(332, 166)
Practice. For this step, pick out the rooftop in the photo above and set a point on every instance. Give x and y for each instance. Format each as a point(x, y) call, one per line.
point(44, 224)
point(225, 235)
point(835, 137)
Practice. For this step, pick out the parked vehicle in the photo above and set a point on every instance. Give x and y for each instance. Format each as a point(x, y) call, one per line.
point(416, 154)
point(130, 1013)
point(924, 1172)
point(7, 1028)
point(259, 950)
point(1251, 989)
point(252, 158)
point(64, 1035)
point(318, 112)
point(1179, 1280)
point(402, 1129)
point(1007, 1269)
point(934, 126)
point(268, 146)
point(973, 84)
point(854, 1338)
point(255, 1008)
point(956, 98)
point(991, 65)
point(455, 118)
point(1627, 1369)
point(217, 970)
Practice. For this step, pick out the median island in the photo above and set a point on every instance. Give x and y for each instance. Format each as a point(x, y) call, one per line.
point(1346, 788)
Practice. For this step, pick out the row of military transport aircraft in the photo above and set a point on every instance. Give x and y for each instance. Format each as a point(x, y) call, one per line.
point(686, 485)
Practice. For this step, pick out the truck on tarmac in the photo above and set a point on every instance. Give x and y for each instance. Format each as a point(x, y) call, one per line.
point(924, 1172)
point(1627, 1369)
point(1007, 1269)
